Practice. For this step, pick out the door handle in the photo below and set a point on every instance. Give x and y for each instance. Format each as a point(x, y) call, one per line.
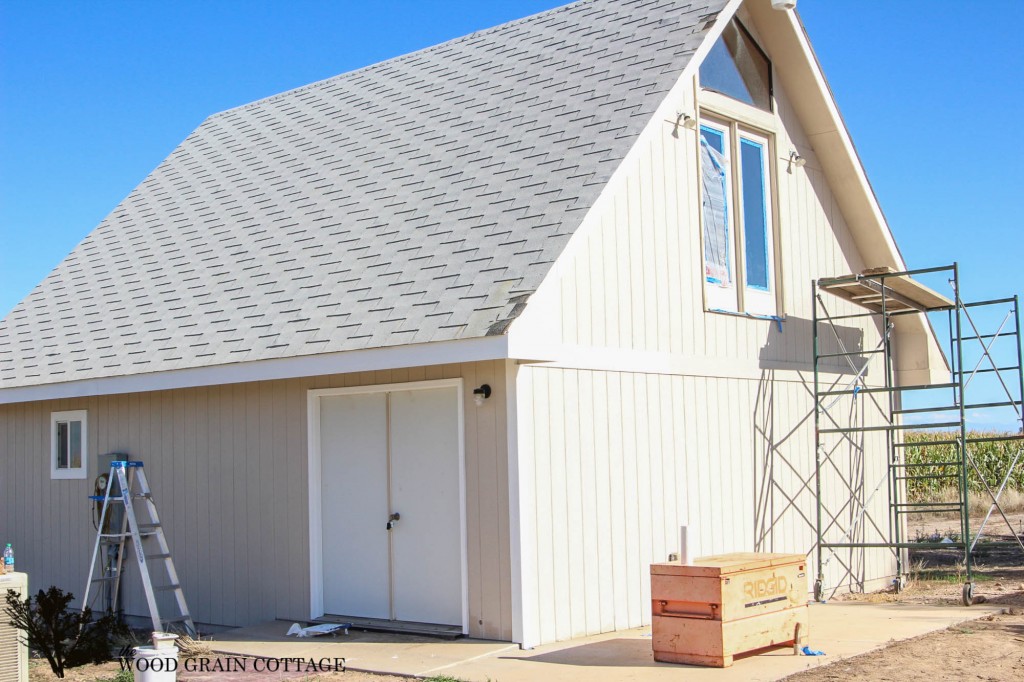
point(392, 519)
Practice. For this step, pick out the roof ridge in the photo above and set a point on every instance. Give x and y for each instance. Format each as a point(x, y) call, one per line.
point(405, 56)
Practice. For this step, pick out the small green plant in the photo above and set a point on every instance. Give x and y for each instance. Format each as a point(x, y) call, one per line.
point(65, 637)
point(121, 676)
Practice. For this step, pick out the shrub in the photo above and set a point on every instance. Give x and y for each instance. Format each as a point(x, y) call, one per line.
point(65, 637)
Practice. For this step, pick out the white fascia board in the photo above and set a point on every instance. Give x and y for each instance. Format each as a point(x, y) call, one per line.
point(416, 355)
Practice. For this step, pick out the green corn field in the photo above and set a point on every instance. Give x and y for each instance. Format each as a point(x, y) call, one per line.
point(993, 460)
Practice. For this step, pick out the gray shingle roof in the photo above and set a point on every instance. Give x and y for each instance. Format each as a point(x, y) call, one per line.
point(420, 199)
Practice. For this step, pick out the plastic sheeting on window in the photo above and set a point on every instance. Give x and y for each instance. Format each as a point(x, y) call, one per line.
point(717, 268)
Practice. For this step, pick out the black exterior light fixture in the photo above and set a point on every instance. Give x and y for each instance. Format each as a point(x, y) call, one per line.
point(481, 394)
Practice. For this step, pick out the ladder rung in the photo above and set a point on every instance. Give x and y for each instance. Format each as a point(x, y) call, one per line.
point(919, 410)
point(167, 588)
point(927, 464)
point(994, 439)
point(985, 336)
point(158, 556)
point(922, 477)
point(927, 505)
point(891, 427)
point(854, 354)
point(148, 527)
point(105, 579)
point(886, 389)
point(179, 619)
point(981, 406)
point(925, 444)
point(998, 370)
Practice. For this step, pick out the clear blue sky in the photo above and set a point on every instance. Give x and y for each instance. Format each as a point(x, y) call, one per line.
point(93, 95)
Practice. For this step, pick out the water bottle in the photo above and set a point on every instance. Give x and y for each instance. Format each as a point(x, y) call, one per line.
point(8, 559)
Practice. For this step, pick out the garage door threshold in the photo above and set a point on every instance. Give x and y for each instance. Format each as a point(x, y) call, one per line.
point(399, 627)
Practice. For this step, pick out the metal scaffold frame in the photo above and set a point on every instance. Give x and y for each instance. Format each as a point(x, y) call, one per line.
point(886, 296)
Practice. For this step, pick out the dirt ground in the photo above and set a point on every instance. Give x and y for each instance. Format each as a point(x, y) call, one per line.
point(991, 648)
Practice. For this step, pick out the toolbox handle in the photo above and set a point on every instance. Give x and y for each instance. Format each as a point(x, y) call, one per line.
point(686, 609)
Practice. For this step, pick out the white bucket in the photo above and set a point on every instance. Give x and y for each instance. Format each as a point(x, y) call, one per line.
point(155, 665)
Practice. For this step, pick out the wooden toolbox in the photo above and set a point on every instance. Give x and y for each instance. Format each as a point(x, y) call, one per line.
point(708, 611)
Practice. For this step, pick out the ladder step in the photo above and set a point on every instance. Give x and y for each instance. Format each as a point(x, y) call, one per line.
point(148, 527)
point(158, 556)
point(167, 588)
point(105, 579)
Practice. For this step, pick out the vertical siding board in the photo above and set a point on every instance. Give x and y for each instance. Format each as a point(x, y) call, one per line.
point(604, 500)
point(219, 504)
point(609, 275)
point(589, 526)
point(475, 527)
point(624, 284)
point(544, 485)
point(272, 544)
point(199, 511)
point(500, 486)
point(631, 487)
point(620, 535)
point(576, 526)
point(644, 521)
point(559, 506)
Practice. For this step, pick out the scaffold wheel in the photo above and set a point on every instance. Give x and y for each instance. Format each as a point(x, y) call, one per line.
point(968, 594)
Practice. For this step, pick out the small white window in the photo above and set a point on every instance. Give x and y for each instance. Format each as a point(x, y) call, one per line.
point(68, 440)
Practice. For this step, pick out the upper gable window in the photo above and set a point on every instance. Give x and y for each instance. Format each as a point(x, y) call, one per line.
point(737, 67)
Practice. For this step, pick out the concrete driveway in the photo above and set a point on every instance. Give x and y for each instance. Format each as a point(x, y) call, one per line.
point(839, 629)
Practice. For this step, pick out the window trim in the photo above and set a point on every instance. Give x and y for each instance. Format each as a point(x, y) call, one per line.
point(69, 473)
point(772, 104)
point(738, 126)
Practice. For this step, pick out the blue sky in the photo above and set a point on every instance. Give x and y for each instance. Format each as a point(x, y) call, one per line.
point(93, 95)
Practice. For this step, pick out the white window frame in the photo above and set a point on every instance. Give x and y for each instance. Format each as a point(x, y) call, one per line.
point(739, 298)
point(722, 296)
point(757, 300)
point(79, 472)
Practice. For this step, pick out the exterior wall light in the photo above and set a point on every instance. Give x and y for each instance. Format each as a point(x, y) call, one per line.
point(795, 160)
point(481, 394)
point(684, 120)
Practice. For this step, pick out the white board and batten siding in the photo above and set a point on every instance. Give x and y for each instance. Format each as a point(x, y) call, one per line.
point(657, 414)
point(228, 467)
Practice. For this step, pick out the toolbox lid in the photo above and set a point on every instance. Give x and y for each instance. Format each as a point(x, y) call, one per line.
point(725, 564)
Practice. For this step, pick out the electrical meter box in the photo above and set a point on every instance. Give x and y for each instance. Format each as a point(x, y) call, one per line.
point(716, 607)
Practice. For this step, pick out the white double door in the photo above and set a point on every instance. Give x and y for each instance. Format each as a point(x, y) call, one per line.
point(391, 505)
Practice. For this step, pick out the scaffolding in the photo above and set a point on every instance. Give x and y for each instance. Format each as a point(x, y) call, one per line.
point(841, 426)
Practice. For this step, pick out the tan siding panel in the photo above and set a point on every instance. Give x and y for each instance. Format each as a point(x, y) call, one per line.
point(228, 467)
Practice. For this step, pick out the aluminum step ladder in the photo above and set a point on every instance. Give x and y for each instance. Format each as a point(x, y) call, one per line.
point(141, 525)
